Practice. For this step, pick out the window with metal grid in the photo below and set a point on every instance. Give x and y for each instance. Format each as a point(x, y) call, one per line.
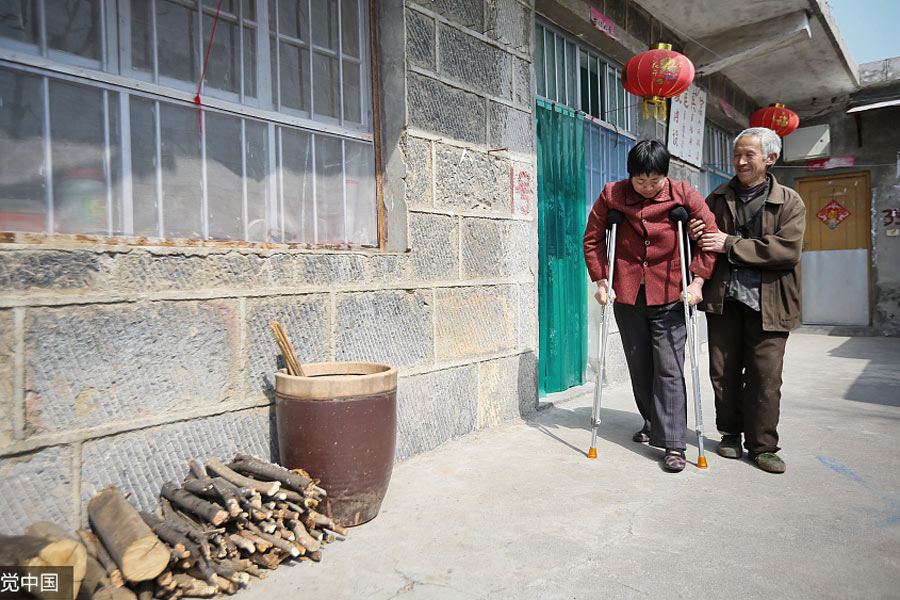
point(99, 134)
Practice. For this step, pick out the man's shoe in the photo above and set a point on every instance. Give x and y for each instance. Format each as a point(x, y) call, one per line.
point(771, 462)
point(640, 437)
point(730, 446)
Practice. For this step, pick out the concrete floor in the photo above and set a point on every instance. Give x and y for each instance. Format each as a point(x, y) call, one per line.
point(518, 511)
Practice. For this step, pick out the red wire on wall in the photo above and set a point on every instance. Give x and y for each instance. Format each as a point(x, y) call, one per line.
point(205, 62)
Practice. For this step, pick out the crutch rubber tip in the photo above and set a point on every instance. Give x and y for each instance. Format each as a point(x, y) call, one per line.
point(592, 453)
point(701, 462)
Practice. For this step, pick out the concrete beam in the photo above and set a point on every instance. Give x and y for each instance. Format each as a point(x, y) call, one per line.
point(716, 52)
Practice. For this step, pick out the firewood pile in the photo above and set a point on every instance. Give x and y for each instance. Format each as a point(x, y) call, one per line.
point(223, 525)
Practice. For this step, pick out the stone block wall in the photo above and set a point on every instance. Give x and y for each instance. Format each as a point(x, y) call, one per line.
point(121, 361)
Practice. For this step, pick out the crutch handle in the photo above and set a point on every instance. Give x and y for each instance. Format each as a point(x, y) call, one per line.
point(679, 213)
point(614, 217)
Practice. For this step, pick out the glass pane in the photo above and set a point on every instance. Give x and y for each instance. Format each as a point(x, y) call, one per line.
point(273, 63)
point(249, 8)
point(176, 28)
point(596, 91)
point(351, 92)
point(350, 27)
point(143, 167)
point(362, 213)
point(550, 61)
point(19, 21)
point(585, 82)
point(224, 193)
point(296, 185)
point(262, 224)
point(324, 23)
point(571, 69)
point(141, 35)
point(223, 70)
point(327, 91)
point(228, 6)
point(329, 190)
point(294, 76)
point(115, 161)
point(77, 146)
point(250, 63)
point(293, 20)
point(74, 26)
point(539, 71)
point(560, 70)
point(181, 172)
point(620, 104)
point(23, 206)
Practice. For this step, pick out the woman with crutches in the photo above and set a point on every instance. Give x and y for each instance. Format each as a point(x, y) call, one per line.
point(647, 289)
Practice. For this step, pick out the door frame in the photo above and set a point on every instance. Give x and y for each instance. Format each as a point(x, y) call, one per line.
point(867, 178)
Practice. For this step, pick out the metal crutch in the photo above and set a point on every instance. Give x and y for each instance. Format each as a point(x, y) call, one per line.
point(613, 218)
point(680, 215)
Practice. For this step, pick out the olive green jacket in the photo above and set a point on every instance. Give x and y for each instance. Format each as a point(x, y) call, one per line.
point(777, 254)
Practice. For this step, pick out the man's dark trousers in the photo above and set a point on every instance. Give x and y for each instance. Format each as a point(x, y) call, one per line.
point(745, 365)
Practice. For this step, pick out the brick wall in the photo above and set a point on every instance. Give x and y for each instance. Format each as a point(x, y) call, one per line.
point(120, 362)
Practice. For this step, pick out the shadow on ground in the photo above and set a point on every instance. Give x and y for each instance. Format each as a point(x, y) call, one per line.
point(616, 427)
point(881, 372)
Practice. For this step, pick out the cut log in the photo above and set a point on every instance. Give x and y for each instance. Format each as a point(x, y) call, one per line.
point(207, 510)
point(55, 533)
point(138, 552)
point(303, 538)
point(171, 535)
point(94, 579)
point(276, 541)
point(202, 570)
point(245, 463)
point(96, 549)
point(145, 590)
point(261, 544)
point(173, 516)
point(242, 543)
point(266, 488)
point(257, 513)
point(195, 588)
point(200, 486)
point(323, 522)
point(114, 593)
point(32, 551)
point(195, 469)
point(267, 561)
point(229, 493)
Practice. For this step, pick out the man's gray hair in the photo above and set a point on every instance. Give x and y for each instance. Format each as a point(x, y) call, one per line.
point(768, 139)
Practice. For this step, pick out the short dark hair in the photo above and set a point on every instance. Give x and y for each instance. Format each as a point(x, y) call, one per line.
point(648, 156)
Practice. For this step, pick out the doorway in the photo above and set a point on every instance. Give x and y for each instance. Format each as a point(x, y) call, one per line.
point(836, 249)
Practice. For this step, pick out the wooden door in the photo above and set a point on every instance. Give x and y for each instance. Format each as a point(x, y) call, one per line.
point(836, 249)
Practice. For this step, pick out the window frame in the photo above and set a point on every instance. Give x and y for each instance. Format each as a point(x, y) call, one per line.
point(118, 86)
point(625, 121)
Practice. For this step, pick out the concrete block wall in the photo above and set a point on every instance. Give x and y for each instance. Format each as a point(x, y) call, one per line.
point(121, 361)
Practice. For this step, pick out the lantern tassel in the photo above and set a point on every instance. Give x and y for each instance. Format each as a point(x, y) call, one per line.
point(659, 107)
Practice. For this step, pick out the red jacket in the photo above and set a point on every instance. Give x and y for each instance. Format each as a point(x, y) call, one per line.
point(646, 241)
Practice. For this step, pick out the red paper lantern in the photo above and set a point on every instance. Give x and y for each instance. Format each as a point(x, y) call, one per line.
point(657, 74)
point(779, 119)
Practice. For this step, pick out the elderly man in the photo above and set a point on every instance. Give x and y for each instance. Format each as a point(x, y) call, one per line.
point(752, 299)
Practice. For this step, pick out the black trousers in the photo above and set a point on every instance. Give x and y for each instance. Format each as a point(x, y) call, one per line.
point(745, 365)
point(653, 338)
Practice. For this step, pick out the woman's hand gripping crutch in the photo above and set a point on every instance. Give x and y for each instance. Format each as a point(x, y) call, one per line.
point(613, 219)
point(680, 215)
